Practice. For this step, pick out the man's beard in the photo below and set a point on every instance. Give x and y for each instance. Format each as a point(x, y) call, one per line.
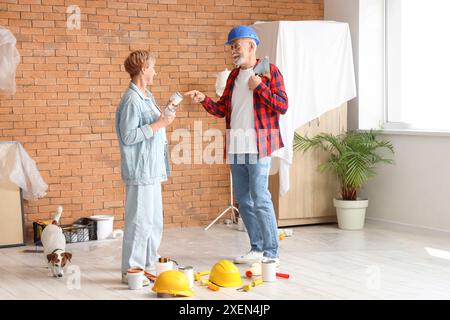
point(239, 61)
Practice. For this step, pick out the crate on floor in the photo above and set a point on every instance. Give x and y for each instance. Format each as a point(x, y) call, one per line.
point(84, 229)
point(90, 225)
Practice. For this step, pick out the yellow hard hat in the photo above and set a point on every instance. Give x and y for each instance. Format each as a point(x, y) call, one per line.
point(173, 282)
point(225, 274)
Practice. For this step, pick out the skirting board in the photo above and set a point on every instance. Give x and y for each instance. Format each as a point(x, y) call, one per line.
point(305, 221)
point(402, 224)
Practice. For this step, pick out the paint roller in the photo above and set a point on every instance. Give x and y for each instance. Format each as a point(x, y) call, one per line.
point(251, 285)
point(263, 67)
point(255, 270)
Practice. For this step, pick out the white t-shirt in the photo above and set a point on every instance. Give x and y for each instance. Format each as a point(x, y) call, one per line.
point(242, 138)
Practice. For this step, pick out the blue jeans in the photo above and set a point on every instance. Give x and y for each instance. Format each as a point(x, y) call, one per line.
point(143, 226)
point(250, 184)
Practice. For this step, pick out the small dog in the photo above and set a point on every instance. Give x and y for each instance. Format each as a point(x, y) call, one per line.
point(54, 244)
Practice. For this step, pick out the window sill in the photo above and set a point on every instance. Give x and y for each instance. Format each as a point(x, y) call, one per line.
point(415, 132)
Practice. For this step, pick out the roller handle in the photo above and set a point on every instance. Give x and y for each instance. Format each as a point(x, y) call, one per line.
point(282, 275)
point(257, 282)
point(213, 287)
point(249, 274)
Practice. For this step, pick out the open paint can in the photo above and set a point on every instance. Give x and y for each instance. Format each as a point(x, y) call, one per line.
point(269, 270)
point(163, 266)
point(189, 272)
point(135, 278)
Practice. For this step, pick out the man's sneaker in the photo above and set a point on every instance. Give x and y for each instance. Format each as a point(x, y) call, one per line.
point(277, 260)
point(145, 281)
point(249, 258)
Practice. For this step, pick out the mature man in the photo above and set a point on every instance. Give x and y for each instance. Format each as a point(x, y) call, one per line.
point(251, 105)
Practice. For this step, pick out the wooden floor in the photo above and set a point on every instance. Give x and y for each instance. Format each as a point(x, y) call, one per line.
point(381, 262)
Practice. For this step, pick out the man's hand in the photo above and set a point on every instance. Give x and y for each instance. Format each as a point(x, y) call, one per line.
point(266, 74)
point(196, 96)
point(253, 82)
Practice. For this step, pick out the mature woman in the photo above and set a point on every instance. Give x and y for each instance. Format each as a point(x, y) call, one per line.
point(140, 127)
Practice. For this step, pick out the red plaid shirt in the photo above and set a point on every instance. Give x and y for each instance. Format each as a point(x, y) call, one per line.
point(269, 101)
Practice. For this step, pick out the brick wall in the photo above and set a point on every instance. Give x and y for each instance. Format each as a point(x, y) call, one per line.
point(70, 81)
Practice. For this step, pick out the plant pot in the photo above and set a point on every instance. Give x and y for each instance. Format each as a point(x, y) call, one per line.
point(351, 213)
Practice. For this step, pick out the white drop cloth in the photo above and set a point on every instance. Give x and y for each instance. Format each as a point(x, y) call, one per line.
point(316, 60)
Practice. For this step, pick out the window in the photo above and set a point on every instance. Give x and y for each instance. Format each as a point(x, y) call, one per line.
point(417, 64)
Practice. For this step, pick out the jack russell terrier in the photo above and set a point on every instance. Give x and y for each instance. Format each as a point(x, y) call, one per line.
point(54, 244)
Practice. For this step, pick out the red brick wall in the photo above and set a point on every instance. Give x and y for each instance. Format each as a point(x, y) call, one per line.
point(70, 81)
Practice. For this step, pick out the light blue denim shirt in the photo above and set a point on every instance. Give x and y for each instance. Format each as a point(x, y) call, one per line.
point(144, 153)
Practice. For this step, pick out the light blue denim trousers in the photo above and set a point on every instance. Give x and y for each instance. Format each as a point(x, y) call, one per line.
point(143, 226)
point(250, 185)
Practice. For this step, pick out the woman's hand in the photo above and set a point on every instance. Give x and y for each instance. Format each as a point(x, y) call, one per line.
point(162, 122)
point(166, 120)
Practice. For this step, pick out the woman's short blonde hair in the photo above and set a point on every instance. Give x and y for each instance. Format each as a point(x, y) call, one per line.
point(137, 60)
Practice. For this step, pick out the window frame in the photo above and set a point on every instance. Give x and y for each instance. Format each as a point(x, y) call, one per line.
point(396, 126)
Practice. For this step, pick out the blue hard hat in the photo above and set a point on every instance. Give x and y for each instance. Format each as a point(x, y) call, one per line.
point(242, 32)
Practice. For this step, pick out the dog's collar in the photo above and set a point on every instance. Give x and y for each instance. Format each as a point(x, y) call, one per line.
point(56, 250)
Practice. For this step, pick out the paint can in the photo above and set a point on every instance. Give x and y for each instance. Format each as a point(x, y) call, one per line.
point(269, 270)
point(135, 279)
point(176, 98)
point(105, 225)
point(174, 101)
point(163, 266)
point(189, 272)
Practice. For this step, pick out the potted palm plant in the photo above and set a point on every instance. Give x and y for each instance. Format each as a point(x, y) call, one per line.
point(353, 157)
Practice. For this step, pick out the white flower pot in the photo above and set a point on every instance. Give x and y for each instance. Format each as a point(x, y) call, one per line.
point(351, 214)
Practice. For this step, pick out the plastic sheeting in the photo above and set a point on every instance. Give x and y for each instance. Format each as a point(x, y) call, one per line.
point(316, 60)
point(17, 167)
point(9, 59)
